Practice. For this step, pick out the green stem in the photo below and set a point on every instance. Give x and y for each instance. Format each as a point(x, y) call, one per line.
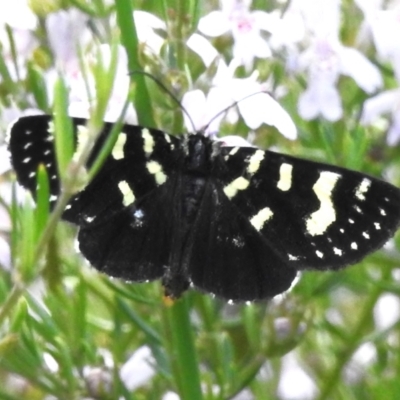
point(130, 41)
point(330, 380)
point(183, 351)
point(12, 299)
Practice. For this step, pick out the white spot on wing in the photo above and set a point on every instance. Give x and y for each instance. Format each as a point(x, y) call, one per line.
point(292, 257)
point(377, 226)
point(366, 235)
point(238, 242)
point(255, 161)
point(319, 254)
point(261, 218)
point(138, 222)
point(53, 197)
point(318, 222)
point(232, 188)
point(337, 251)
point(363, 188)
point(156, 169)
point(138, 213)
point(148, 141)
point(127, 195)
point(26, 160)
point(234, 151)
point(118, 149)
point(382, 211)
point(285, 177)
point(50, 128)
point(354, 246)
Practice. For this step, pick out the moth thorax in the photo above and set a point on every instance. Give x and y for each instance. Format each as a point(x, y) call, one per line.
point(193, 195)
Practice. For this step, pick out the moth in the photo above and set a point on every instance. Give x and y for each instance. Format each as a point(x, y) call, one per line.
point(237, 222)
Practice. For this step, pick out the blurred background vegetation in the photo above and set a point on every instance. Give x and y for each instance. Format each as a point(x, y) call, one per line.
point(69, 332)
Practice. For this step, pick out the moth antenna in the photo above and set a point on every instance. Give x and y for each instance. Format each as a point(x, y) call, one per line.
point(166, 90)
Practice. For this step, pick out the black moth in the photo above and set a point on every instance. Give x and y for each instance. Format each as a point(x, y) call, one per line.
point(238, 222)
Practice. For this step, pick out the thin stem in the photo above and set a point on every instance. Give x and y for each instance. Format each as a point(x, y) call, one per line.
point(12, 299)
point(182, 348)
point(330, 380)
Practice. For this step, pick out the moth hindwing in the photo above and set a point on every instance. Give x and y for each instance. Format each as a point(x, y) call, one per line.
point(238, 222)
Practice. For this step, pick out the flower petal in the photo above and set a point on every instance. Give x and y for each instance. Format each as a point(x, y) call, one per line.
point(194, 102)
point(378, 105)
point(234, 141)
point(262, 108)
point(214, 24)
point(203, 48)
point(356, 65)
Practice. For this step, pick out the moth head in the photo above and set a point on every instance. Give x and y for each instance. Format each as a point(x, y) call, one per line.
point(199, 152)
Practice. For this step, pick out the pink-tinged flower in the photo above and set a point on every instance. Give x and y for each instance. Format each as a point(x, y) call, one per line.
point(253, 103)
point(325, 60)
point(245, 27)
point(66, 30)
point(81, 99)
point(385, 103)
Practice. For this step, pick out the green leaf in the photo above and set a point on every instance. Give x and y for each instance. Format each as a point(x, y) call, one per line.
point(63, 131)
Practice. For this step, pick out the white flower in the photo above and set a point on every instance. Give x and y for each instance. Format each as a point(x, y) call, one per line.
point(138, 370)
point(22, 21)
point(254, 104)
point(244, 25)
point(386, 311)
point(65, 30)
point(80, 101)
point(5, 252)
point(384, 25)
point(146, 24)
point(325, 60)
point(200, 45)
point(234, 141)
point(295, 383)
point(387, 102)
point(170, 396)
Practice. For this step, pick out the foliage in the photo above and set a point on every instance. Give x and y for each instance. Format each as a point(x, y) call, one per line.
point(67, 332)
